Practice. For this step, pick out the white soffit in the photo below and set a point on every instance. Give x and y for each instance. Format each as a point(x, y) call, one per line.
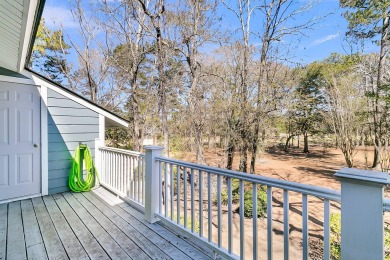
point(16, 24)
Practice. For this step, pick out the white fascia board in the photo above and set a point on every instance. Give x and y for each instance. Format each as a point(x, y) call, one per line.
point(30, 8)
point(39, 81)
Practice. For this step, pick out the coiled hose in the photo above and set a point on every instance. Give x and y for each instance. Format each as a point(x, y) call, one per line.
point(76, 181)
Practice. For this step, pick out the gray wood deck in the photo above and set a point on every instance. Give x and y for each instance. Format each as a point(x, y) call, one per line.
point(93, 225)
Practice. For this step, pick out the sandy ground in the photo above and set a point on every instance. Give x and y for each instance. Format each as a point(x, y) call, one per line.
point(316, 168)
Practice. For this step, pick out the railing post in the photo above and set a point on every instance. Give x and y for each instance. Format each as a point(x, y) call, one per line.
point(98, 162)
point(362, 228)
point(151, 182)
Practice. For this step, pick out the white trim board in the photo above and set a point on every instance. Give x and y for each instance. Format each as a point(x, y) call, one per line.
point(30, 7)
point(44, 142)
point(39, 81)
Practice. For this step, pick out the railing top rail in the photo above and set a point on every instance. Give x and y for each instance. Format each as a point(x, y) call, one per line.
point(288, 185)
point(386, 204)
point(122, 151)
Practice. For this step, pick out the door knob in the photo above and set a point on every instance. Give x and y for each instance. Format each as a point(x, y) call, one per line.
point(35, 145)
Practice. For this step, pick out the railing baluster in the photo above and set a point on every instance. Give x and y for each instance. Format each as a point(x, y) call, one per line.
point(116, 171)
point(143, 179)
point(326, 229)
point(128, 171)
point(172, 190)
point(132, 178)
point(209, 209)
point(192, 200)
point(254, 219)
point(185, 196)
point(269, 223)
point(120, 172)
point(165, 188)
point(219, 210)
point(160, 187)
point(178, 193)
point(286, 225)
point(109, 168)
point(230, 216)
point(242, 238)
point(139, 180)
point(105, 166)
point(200, 203)
point(305, 237)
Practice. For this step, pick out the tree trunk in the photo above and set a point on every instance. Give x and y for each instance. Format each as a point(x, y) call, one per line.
point(230, 155)
point(136, 131)
point(378, 121)
point(254, 149)
point(243, 167)
point(286, 146)
point(305, 142)
point(298, 141)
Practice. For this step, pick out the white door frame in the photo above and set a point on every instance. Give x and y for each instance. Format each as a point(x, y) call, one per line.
point(44, 131)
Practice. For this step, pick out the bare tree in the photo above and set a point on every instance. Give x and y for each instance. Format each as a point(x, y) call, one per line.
point(194, 20)
point(344, 102)
point(155, 11)
point(125, 22)
point(275, 25)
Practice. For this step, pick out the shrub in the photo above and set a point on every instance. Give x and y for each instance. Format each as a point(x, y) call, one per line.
point(189, 223)
point(248, 195)
point(261, 203)
point(335, 236)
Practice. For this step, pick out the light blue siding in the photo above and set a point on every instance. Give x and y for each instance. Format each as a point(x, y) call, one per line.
point(69, 123)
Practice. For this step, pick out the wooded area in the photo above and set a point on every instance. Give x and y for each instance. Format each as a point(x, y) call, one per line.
point(188, 83)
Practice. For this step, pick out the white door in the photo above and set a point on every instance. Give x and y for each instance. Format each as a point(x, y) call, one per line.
point(20, 141)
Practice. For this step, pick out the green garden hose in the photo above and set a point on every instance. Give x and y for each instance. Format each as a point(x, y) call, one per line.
point(76, 181)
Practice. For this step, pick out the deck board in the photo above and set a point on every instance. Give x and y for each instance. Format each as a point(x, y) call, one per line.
point(71, 243)
point(94, 225)
point(53, 244)
point(185, 247)
point(105, 240)
point(89, 242)
point(16, 248)
point(34, 242)
point(119, 236)
point(155, 238)
point(145, 245)
point(3, 230)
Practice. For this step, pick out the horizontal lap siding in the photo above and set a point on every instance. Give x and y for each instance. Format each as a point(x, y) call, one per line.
point(68, 124)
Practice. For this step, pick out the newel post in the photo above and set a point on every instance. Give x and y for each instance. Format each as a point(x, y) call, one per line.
point(98, 158)
point(362, 228)
point(151, 182)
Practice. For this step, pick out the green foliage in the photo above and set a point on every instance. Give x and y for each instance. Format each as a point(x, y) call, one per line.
point(189, 223)
point(118, 138)
point(365, 17)
point(335, 236)
point(261, 203)
point(248, 195)
point(49, 51)
point(387, 243)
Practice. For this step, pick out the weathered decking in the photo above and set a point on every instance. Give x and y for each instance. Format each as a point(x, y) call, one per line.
point(93, 225)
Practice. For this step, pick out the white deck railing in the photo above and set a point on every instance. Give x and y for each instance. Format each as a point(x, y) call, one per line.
point(123, 172)
point(177, 204)
point(199, 201)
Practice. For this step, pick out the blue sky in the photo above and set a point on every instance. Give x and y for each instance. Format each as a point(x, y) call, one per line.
point(327, 36)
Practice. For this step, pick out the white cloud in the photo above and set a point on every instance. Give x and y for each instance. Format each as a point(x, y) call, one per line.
point(56, 16)
point(325, 39)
